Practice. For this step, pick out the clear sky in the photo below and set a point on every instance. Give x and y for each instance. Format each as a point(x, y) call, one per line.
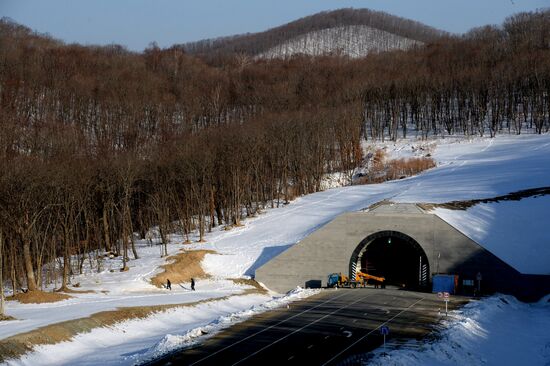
point(136, 23)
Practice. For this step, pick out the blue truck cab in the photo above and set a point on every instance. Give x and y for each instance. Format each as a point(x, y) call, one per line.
point(333, 279)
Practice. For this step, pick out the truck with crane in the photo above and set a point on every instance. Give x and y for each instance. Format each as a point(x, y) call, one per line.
point(361, 280)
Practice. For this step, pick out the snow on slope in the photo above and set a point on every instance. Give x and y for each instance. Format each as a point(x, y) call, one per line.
point(353, 41)
point(514, 230)
point(467, 169)
point(498, 330)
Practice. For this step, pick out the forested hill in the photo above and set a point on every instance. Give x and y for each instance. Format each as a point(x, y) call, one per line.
point(323, 33)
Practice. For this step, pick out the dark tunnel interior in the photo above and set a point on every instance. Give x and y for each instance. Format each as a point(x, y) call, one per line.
point(402, 262)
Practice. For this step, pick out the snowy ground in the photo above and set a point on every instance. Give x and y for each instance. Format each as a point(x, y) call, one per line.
point(113, 290)
point(135, 341)
point(467, 169)
point(498, 330)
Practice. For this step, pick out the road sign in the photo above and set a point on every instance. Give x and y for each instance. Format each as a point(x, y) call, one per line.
point(446, 299)
point(384, 330)
point(478, 278)
point(440, 295)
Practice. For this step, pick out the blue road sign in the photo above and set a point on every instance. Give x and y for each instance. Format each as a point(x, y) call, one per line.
point(384, 330)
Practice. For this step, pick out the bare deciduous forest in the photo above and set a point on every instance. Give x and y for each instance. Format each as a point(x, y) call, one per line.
point(97, 143)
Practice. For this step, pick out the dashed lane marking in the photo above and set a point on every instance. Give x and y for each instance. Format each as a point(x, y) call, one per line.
point(372, 331)
point(299, 329)
point(266, 329)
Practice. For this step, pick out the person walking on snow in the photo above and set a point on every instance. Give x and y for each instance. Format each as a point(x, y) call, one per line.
point(192, 284)
point(168, 284)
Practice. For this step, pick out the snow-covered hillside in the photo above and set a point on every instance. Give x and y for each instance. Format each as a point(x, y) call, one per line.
point(353, 41)
point(467, 169)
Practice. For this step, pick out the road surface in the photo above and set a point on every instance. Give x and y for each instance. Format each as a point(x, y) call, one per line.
point(334, 327)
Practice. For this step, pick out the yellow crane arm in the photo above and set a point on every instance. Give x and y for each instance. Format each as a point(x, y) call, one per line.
point(365, 276)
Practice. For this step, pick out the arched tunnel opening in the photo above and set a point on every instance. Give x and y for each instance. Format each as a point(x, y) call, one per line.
point(395, 256)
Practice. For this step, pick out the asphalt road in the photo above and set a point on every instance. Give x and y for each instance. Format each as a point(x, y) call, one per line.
point(334, 327)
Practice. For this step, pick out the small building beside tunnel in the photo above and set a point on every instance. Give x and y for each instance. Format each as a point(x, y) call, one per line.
point(403, 243)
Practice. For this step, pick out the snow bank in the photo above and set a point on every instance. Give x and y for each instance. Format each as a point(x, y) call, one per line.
point(139, 340)
point(171, 343)
point(498, 330)
point(32, 316)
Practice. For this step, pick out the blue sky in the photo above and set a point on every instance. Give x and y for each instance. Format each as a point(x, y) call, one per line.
point(136, 23)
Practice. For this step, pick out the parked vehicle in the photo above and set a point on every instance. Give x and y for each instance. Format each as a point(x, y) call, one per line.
point(361, 279)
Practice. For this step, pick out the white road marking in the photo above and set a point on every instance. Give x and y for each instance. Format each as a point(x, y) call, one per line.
point(265, 329)
point(297, 330)
point(369, 333)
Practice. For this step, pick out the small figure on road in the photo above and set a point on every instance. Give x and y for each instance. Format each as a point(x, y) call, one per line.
point(192, 284)
point(168, 284)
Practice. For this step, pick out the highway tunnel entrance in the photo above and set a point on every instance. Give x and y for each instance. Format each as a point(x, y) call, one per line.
point(395, 256)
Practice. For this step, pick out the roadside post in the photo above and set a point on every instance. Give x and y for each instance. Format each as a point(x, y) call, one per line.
point(446, 299)
point(478, 278)
point(384, 330)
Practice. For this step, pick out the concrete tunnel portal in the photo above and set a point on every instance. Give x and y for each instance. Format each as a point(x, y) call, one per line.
point(403, 243)
point(393, 255)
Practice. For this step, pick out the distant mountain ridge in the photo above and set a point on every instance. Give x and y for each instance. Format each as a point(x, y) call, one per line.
point(326, 32)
